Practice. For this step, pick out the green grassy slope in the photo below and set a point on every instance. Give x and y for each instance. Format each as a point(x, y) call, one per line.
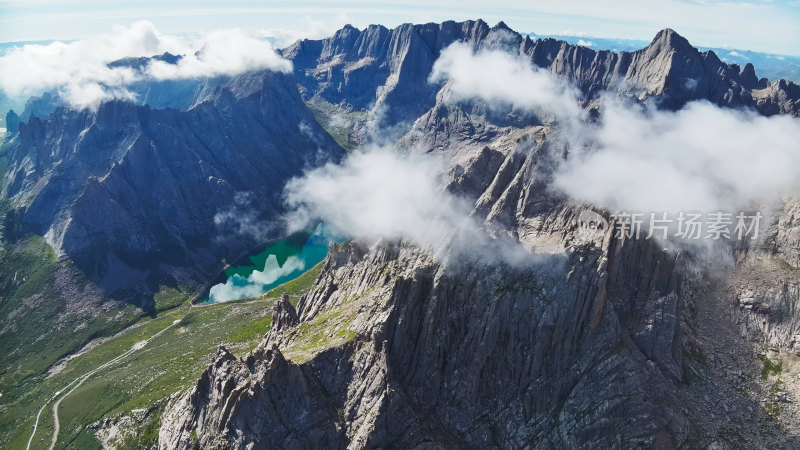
point(35, 332)
point(170, 362)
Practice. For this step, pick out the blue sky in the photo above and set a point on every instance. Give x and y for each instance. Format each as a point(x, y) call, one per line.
point(761, 25)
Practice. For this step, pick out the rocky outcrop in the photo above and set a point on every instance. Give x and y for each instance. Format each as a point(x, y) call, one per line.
point(12, 122)
point(765, 287)
point(283, 315)
point(403, 349)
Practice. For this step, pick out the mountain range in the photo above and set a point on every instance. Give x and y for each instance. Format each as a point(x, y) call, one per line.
point(601, 343)
point(768, 65)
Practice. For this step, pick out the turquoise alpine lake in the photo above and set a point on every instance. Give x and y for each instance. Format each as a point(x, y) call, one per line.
point(279, 262)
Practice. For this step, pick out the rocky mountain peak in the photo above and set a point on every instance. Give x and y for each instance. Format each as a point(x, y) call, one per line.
point(283, 314)
point(669, 39)
point(12, 121)
point(749, 78)
point(502, 26)
point(347, 32)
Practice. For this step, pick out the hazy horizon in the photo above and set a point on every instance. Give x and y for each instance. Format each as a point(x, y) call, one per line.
point(768, 26)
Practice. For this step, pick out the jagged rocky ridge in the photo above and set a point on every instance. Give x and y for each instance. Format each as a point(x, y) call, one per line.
point(385, 71)
point(130, 192)
point(450, 357)
point(594, 346)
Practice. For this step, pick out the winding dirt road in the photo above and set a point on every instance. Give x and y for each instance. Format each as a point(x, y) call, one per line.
point(76, 383)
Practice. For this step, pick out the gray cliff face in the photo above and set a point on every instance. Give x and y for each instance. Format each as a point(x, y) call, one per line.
point(419, 355)
point(588, 346)
point(765, 286)
point(128, 185)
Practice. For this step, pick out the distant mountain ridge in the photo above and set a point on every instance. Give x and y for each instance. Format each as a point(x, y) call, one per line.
point(385, 71)
point(768, 65)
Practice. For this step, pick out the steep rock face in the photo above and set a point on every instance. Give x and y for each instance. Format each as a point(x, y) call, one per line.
point(787, 232)
point(143, 186)
point(765, 286)
point(412, 359)
point(583, 347)
point(12, 122)
point(413, 352)
point(378, 69)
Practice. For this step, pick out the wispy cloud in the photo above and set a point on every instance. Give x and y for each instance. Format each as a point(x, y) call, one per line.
point(500, 77)
point(378, 194)
point(382, 194)
point(309, 28)
point(702, 157)
point(79, 71)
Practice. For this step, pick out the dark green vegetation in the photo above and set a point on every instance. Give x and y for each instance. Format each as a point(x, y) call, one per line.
point(35, 332)
point(770, 367)
point(297, 287)
point(41, 323)
point(339, 125)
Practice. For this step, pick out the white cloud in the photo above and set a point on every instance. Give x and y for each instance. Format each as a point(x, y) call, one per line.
point(378, 194)
point(309, 29)
point(702, 158)
point(497, 76)
point(79, 70)
point(238, 287)
point(699, 158)
point(384, 194)
point(223, 52)
point(583, 43)
point(735, 54)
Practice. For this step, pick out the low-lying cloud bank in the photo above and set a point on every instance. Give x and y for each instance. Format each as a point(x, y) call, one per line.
point(81, 74)
point(637, 158)
point(700, 158)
